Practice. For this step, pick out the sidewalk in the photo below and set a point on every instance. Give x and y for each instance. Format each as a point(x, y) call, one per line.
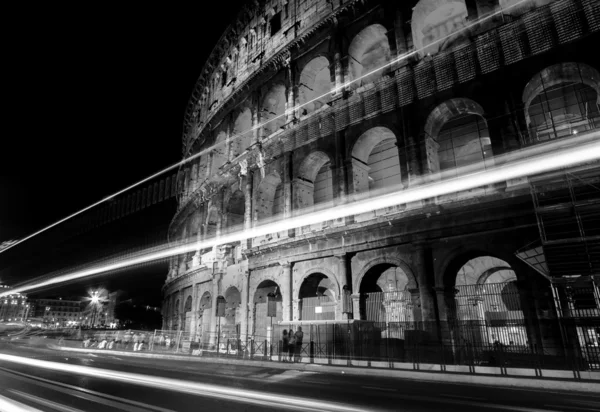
point(488, 376)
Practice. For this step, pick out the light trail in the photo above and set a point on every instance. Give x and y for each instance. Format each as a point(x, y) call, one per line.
point(535, 160)
point(7, 404)
point(253, 128)
point(193, 388)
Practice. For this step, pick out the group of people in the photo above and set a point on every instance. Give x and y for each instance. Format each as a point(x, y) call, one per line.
point(104, 343)
point(291, 350)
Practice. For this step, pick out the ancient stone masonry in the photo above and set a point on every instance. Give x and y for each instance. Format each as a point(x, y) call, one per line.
point(310, 104)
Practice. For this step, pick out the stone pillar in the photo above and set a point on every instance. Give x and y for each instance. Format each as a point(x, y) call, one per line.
point(356, 305)
point(181, 312)
point(287, 290)
point(287, 185)
point(255, 122)
point(194, 177)
point(245, 304)
point(358, 174)
point(209, 163)
point(423, 268)
point(345, 279)
point(194, 323)
point(228, 142)
point(247, 209)
point(429, 153)
point(295, 309)
point(213, 310)
point(289, 91)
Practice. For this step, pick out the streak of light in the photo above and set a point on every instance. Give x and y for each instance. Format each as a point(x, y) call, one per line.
point(258, 126)
point(7, 404)
point(548, 157)
point(193, 388)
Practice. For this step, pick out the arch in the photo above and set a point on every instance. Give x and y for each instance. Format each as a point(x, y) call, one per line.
point(487, 303)
point(385, 260)
point(375, 161)
point(236, 207)
point(447, 110)
point(188, 305)
point(315, 81)
point(434, 20)
point(368, 51)
point(267, 293)
point(213, 218)
point(561, 100)
point(309, 168)
point(241, 132)
point(219, 153)
point(204, 316)
point(322, 270)
point(273, 107)
point(265, 196)
point(317, 290)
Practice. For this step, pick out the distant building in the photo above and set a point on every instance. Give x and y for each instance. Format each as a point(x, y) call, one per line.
point(58, 312)
point(13, 307)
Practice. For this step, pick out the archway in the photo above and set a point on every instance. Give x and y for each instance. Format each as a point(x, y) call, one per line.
point(235, 211)
point(241, 133)
point(562, 100)
point(272, 109)
point(204, 315)
point(268, 308)
point(368, 51)
point(315, 81)
point(212, 223)
point(316, 181)
point(269, 197)
point(187, 314)
point(385, 295)
point(231, 320)
point(438, 24)
point(488, 304)
point(219, 153)
point(317, 297)
point(375, 162)
point(462, 134)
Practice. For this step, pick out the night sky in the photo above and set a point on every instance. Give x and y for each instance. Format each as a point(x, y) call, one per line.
point(95, 101)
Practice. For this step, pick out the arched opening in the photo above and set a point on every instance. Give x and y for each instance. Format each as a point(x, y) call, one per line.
point(187, 310)
point(219, 153)
point(204, 314)
point(562, 100)
point(462, 135)
point(317, 298)
point(235, 211)
point(212, 221)
point(273, 107)
point(375, 160)
point(315, 82)
point(369, 50)
point(269, 197)
point(488, 304)
point(385, 296)
point(241, 133)
point(315, 181)
point(231, 320)
point(268, 308)
point(438, 25)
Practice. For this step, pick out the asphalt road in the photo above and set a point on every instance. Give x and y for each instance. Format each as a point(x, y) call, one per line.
point(108, 382)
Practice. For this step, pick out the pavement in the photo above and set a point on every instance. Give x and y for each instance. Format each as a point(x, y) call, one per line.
point(51, 380)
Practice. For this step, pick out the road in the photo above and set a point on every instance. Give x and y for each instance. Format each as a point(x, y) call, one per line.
point(100, 382)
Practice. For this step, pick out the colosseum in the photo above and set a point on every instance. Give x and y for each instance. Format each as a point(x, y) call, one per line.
point(312, 104)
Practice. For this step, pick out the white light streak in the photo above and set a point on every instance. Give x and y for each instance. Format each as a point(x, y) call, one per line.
point(238, 136)
point(535, 160)
point(193, 388)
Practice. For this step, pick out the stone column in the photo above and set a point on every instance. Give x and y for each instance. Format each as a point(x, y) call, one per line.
point(345, 279)
point(287, 290)
point(289, 91)
point(247, 208)
point(356, 305)
point(194, 323)
point(209, 163)
point(181, 312)
point(194, 177)
point(245, 304)
point(287, 185)
point(228, 143)
point(423, 267)
point(213, 312)
point(256, 121)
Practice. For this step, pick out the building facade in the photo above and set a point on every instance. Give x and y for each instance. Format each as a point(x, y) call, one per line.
point(58, 312)
point(15, 307)
point(311, 104)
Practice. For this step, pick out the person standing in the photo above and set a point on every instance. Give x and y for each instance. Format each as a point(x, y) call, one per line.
point(285, 342)
point(291, 346)
point(298, 336)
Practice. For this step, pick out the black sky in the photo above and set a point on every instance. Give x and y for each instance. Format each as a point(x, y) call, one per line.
point(94, 101)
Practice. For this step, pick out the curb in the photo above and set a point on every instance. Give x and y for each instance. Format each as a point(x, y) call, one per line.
point(444, 377)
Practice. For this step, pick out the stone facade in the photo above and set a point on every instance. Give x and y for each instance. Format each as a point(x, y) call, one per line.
point(308, 104)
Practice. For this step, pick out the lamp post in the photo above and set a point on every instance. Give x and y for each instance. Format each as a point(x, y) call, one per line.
point(95, 301)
